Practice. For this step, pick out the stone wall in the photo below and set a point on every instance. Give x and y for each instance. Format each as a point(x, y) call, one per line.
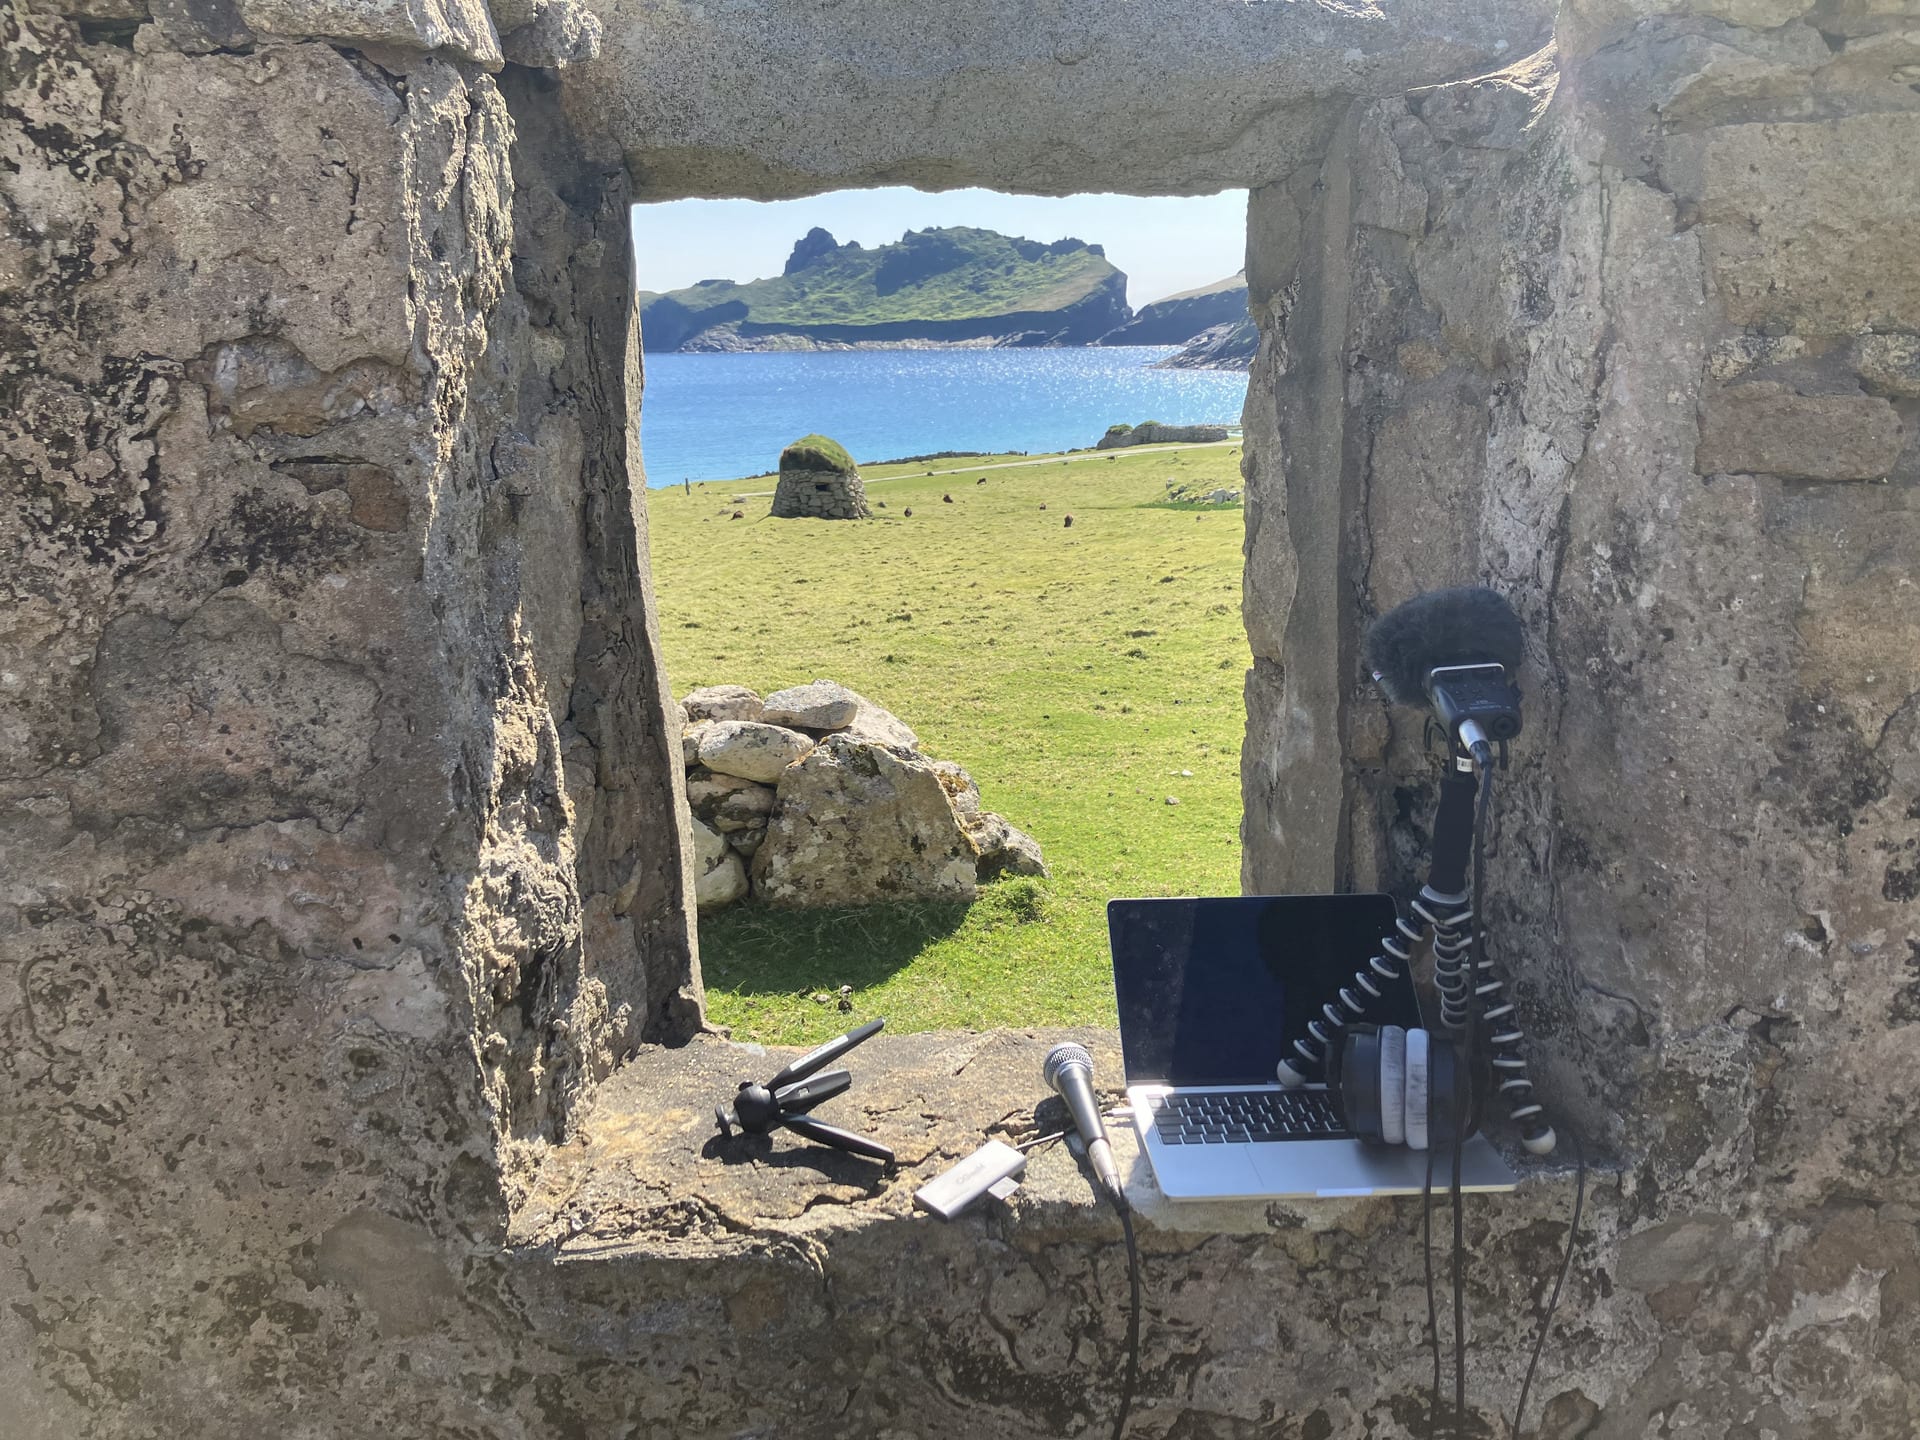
point(1152, 432)
point(339, 820)
point(820, 495)
point(1627, 331)
point(338, 801)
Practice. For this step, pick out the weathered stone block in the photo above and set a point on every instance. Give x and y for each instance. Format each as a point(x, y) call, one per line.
point(1890, 364)
point(751, 750)
point(1767, 429)
point(721, 702)
point(1792, 235)
point(817, 705)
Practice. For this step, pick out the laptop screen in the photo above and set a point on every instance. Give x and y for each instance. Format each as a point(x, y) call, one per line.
point(1214, 991)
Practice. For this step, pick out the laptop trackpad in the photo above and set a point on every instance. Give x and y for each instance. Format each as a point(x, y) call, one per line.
point(1331, 1168)
point(1206, 1172)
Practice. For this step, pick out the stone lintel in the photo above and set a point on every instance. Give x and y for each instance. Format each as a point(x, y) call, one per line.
point(773, 98)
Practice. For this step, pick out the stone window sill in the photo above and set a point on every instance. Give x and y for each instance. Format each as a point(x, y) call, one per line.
point(650, 1176)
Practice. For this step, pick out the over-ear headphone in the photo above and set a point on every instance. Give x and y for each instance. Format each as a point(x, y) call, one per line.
point(1397, 1087)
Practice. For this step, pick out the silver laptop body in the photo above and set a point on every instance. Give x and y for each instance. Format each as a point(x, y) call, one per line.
point(1212, 992)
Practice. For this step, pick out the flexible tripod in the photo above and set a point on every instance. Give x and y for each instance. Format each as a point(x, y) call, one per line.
point(1444, 908)
point(783, 1102)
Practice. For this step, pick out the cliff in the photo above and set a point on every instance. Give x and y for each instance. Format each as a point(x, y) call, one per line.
point(1230, 345)
point(1178, 319)
point(952, 286)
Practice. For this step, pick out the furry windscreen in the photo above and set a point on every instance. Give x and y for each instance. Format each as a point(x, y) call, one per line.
point(1466, 626)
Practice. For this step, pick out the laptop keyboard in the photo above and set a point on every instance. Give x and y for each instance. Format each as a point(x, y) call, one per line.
point(1245, 1116)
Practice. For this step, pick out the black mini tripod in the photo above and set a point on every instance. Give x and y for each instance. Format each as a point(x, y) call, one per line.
point(785, 1099)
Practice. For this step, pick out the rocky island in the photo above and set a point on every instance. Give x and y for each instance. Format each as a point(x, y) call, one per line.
point(943, 287)
point(955, 286)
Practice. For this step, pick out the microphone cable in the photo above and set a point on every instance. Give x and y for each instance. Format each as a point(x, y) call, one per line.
point(1553, 1301)
point(1462, 1086)
point(1477, 964)
point(1433, 1308)
point(1131, 1382)
point(1133, 1321)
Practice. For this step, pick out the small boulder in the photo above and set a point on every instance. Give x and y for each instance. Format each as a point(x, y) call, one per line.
point(719, 877)
point(709, 847)
point(722, 885)
point(690, 741)
point(728, 803)
point(880, 725)
point(751, 750)
point(962, 793)
point(721, 702)
point(820, 705)
point(705, 788)
point(856, 823)
point(1003, 849)
point(747, 841)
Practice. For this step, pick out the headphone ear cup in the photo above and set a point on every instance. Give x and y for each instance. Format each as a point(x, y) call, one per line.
point(1418, 1089)
point(1393, 1084)
point(1357, 1088)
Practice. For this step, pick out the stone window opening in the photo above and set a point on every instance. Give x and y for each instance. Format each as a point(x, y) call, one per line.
point(1047, 240)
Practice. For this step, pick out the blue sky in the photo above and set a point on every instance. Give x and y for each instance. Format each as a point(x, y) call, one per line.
point(1164, 243)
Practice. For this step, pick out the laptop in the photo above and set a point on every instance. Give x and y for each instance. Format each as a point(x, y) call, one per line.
point(1212, 993)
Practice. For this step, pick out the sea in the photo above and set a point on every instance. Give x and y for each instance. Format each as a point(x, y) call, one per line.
point(721, 417)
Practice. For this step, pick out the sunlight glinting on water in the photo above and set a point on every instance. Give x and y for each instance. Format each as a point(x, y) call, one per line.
point(714, 417)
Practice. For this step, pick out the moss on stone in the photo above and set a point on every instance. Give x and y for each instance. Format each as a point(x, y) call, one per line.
point(816, 452)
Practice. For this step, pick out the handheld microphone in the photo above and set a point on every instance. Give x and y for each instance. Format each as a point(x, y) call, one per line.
point(1457, 652)
point(1069, 1073)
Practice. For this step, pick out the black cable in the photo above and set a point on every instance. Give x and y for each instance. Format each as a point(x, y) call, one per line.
point(1133, 1319)
point(1553, 1301)
point(1433, 1307)
point(1462, 1085)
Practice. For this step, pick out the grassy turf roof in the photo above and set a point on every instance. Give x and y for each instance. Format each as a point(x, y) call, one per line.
point(815, 452)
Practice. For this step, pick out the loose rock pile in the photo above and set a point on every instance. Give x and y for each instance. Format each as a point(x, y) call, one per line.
point(816, 796)
point(1152, 432)
point(1182, 494)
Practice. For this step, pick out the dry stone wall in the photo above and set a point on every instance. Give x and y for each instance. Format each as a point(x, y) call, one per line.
point(803, 493)
point(817, 797)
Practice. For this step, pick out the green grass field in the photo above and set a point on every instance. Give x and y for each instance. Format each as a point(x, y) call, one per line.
point(1083, 676)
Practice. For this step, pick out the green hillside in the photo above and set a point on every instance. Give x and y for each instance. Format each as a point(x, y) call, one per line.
point(1085, 676)
point(932, 285)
